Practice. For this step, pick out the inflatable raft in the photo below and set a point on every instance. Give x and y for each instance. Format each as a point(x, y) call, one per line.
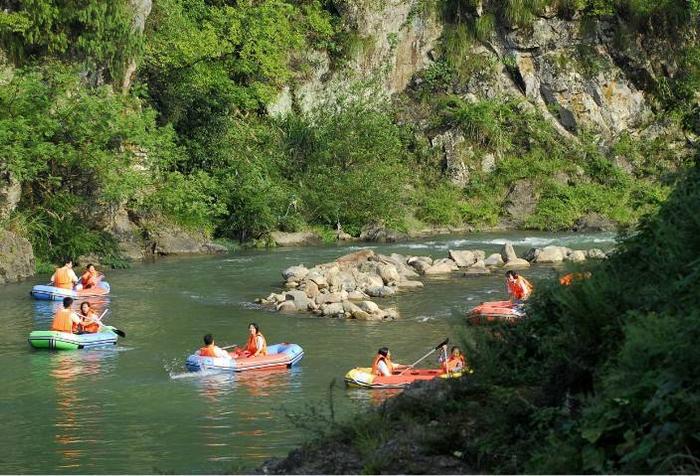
point(495, 311)
point(362, 377)
point(51, 293)
point(278, 356)
point(63, 341)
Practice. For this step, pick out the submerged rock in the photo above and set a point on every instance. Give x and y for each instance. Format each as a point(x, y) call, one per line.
point(16, 257)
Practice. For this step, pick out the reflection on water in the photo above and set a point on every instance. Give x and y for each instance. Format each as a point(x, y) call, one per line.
point(79, 420)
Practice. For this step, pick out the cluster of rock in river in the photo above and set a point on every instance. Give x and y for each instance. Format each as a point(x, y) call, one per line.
point(344, 287)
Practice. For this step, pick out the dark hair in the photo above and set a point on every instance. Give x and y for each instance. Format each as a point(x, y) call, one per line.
point(257, 328)
point(384, 351)
point(208, 339)
point(67, 260)
point(83, 303)
point(67, 302)
point(510, 272)
point(88, 266)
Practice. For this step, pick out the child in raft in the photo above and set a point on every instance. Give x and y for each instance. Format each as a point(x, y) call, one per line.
point(210, 349)
point(89, 323)
point(90, 277)
point(455, 362)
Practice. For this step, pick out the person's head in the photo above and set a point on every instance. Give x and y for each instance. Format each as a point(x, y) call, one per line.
point(67, 302)
point(68, 262)
point(90, 267)
point(84, 307)
point(511, 275)
point(456, 351)
point(253, 328)
point(208, 339)
point(384, 351)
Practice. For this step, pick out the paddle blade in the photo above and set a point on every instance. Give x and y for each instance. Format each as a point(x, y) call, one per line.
point(443, 343)
point(120, 333)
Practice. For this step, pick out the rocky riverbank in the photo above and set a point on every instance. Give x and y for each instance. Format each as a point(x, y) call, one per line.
point(344, 288)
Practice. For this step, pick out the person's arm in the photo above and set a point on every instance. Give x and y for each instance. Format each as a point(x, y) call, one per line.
point(258, 346)
point(53, 278)
point(383, 369)
point(73, 277)
point(221, 353)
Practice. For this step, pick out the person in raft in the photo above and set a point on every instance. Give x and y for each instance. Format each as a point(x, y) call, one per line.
point(518, 287)
point(89, 322)
point(455, 361)
point(256, 345)
point(210, 349)
point(64, 277)
point(382, 364)
point(65, 320)
point(90, 278)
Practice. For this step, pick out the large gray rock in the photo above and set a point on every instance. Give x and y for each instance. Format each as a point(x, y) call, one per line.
point(521, 201)
point(494, 259)
point(301, 238)
point(532, 254)
point(299, 298)
point(16, 257)
point(295, 273)
point(420, 263)
point(333, 309)
point(442, 266)
point(355, 258)
point(318, 278)
point(550, 254)
point(595, 253)
point(380, 291)
point(408, 284)
point(517, 263)
point(463, 258)
point(168, 239)
point(576, 256)
point(287, 306)
point(594, 222)
point(329, 298)
point(508, 253)
point(389, 274)
point(380, 234)
point(368, 306)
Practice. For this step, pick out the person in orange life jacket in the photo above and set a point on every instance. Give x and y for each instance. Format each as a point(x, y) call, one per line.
point(454, 362)
point(90, 277)
point(256, 345)
point(88, 316)
point(567, 279)
point(65, 320)
point(518, 287)
point(65, 277)
point(382, 364)
point(210, 349)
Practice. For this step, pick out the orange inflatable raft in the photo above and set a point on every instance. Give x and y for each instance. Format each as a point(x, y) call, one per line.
point(362, 377)
point(495, 311)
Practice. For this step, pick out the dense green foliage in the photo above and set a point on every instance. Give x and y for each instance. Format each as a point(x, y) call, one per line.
point(601, 377)
point(192, 143)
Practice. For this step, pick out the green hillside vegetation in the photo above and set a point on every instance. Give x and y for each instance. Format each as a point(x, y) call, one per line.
point(601, 377)
point(191, 140)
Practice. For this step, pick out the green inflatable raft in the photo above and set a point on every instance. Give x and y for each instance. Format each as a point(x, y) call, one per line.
point(63, 341)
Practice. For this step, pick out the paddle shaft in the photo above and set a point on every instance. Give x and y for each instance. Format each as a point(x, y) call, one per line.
point(437, 347)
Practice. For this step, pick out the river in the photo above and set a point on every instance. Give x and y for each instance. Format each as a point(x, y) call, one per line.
point(133, 408)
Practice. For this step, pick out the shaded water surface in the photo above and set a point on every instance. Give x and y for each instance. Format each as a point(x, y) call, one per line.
point(134, 409)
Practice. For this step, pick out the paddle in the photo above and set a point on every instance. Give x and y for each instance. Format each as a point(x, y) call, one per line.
point(229, 346)
point(437, 347)
point(119, 332)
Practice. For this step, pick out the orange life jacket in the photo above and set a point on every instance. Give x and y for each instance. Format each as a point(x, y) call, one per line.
point(520, 288)
point(62, 322)
point(89, 279)
point(62, 279)
point(91, 327)
point(252, 344)
point(567, 279)
point(455, 363)
point(375, 364)
point(207, 351)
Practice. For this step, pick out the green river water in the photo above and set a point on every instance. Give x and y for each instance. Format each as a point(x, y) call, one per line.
point(134, 409)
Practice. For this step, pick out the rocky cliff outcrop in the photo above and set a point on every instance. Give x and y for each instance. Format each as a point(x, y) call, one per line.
point(16, 257)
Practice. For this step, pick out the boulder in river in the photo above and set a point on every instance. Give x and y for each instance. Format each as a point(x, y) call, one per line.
point(442, 266)
point(550, 254)
point(595, 253)
point(576, 256)
point(295, 273)
point(494, 259)
point(517, 263)
point(508, 253)
point(463, 258)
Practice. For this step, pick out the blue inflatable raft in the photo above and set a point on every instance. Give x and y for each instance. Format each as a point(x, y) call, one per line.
point(51, 293)
point(278, 355)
